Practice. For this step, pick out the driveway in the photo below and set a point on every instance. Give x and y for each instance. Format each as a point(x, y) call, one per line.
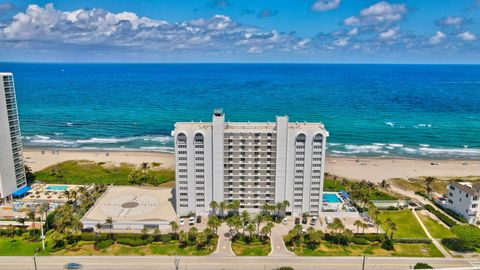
point(278, 246)
point(224, 248)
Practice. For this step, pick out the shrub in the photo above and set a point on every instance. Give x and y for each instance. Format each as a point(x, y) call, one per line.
point(284, 268)
point(413, 241)
point(448, 221)
point(456, 244)
point(422, 266)
point(360, 241)
point(421, 193)
point(89, 237)
point(132, 242)
point(387, 244)
point(468, 233)
point(104, 244)
point(372, 237)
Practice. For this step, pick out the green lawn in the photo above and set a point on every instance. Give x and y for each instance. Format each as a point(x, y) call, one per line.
point(436, 229)
point(338, 184)
point(86, 248)
point(255, 249)
point(407, 224)
point(401, 250)
point(82, 172)
point(18, 246)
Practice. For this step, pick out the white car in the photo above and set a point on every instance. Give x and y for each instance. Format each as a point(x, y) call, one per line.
point(191, 221)
point(182, 221)
point(285, 221)
point(328, 220)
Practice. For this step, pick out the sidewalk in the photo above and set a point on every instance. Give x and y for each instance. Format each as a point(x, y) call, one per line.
point(434, 241)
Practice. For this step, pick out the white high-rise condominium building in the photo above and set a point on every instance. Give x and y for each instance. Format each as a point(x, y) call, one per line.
point(12, 171)
point(255, 163)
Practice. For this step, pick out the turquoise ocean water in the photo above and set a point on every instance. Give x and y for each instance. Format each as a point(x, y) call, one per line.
point(423, 111)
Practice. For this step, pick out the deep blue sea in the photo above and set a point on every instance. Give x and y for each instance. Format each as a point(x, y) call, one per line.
point(425, 111)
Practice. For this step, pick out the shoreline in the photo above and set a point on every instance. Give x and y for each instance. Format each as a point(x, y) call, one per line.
point(369, 168)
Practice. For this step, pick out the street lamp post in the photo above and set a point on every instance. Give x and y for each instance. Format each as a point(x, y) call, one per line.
point(41, 229)
point(35, 259)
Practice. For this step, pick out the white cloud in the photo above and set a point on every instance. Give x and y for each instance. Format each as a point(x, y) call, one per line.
point(379, 13)
point(437, 38)
point(341, 42)
point(467, 36)
point(49, 27)
point(390, 34)
point(452, 21)
point(353, 32)
point(324, 5)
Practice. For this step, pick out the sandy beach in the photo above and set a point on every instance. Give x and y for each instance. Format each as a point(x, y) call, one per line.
point(372, 169)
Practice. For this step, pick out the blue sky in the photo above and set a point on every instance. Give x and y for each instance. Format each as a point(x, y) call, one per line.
point(317, 31)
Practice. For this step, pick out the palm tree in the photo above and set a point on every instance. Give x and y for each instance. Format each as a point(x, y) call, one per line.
point(214, 206)
point(213, 223)
point(201, 239)
point(285, 205)
point(98, 226)
point(364, 226)
point(278, 209)
point(358, 223)
point(144, 166)
point(144, 233)
point(378, 222)
point(245, 218)
point(237, 224)
point(251, 228)
point(393, 229)
point(388, 223)
point(31, 216)
point(156, 234)
point(258, 220)
point(235, 206)
point(428, 184)
point(109, 222)
point(222, 205)
point(384, 184)
point(174, 226)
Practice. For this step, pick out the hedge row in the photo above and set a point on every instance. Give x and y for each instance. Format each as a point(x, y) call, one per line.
point(448, 221)
point(453, 214)
point(413, 241)
point(457, 244)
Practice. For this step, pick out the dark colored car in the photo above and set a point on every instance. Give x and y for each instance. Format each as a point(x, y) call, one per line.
point(88, 229)
point(73, 266)
point(297, 220)
point(199, 219)
point(304, 220)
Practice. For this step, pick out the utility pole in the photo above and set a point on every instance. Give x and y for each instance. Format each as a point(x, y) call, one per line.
point(176, 262)
point(363, 263)
point(35, 259)
point(41, 229)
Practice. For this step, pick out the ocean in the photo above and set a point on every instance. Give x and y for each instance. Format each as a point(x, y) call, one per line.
point(416, 111)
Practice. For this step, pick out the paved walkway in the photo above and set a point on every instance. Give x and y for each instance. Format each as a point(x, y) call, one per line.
point(224, 248)
point(278, 246)
point(434, 241)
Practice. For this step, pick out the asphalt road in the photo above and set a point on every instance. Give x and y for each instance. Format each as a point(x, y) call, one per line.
point(233, 263)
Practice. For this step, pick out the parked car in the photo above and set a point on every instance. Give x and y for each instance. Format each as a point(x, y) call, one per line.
point(88, 229)
point(182, 221)
point(314, 220)
point(285, 221)
point(191, 221)
point(304, 220)
point(328, 220)
point(297, 220)
point(72, 266)
point(199, 219)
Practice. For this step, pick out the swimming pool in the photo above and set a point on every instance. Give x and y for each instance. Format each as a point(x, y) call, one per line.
point(62, 188)
point(331, 198)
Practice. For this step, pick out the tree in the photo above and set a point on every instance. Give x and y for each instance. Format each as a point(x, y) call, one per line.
point(213, 223)
point(98, 226)
point(388, 222)
point(183, 238)
point(313, 238)
point(29, 175)
point(393, 229)
point(214, 206)
point(358, 223)
point(109, 221)
point(237, 224)
point(258, 219)
point(251, 228)
point(201, 239)
point(235, 206)
point(422, 266)
point(245, 218)
point(428, 184)
point(348, 235)
point(156, 235)
point(144, 233)
point(364, 226)
point(174, 226)
point(384, 184)
point(31, 216)
point(192, 233)
point(222, 207)
point(144, 166)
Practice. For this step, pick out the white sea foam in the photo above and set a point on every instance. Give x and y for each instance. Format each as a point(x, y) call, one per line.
point(391, 124)
point(395, 145)
point(69, 124)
